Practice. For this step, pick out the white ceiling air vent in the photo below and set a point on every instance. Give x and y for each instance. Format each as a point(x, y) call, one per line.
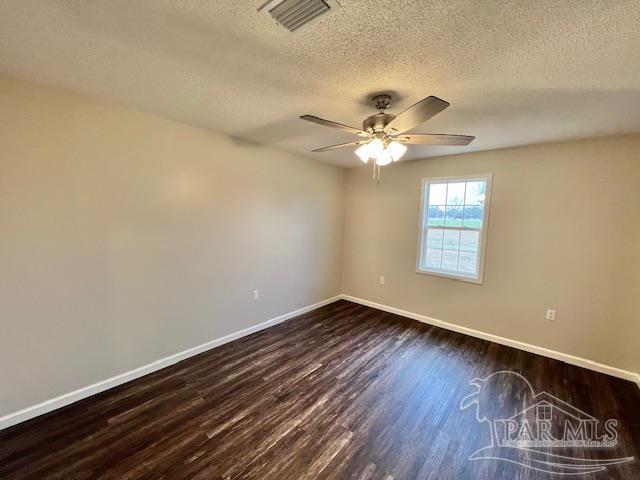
point(293, 14)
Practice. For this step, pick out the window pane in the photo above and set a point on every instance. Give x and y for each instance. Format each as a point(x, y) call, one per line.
point(454, 216)
point(434, 256)
point(434, 237)
point(469, 240)
point(455, 193)
point(438, 194)
point(435, 217)
point(475, 193)
point(451, 239)
point(468, 262)
point(473, 216)
point(450, 260)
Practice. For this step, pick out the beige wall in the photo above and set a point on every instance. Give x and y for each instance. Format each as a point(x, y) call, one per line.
point(125, 238)
point(564, 233)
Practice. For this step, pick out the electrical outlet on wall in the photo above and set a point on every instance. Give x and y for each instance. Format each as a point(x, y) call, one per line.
point(255, 294)
point(382, 280)
point(550, 315)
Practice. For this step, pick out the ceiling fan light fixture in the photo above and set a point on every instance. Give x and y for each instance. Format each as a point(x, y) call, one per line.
point(376, 151)
point(396, 150)
point(384, 158)
point(363, 153)
point(376, 147)
point(371, 150)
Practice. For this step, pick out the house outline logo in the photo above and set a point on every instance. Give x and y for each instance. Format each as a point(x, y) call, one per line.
point(540, 430)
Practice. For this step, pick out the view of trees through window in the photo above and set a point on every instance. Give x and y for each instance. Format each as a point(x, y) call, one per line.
point(454, 213)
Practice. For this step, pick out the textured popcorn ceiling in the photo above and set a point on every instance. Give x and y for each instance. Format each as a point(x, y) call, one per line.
point(515, 72)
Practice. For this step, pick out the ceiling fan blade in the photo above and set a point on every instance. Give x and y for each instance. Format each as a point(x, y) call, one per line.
point(340, 145)
point(416, 114)
point(436, 139)
point(339, 126)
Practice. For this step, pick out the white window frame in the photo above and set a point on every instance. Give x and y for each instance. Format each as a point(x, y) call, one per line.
point(424, 200)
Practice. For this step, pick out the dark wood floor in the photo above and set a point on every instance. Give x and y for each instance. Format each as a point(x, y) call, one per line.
point(344, 392)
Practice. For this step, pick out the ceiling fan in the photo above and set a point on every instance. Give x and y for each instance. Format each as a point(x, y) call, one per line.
point(383, 138)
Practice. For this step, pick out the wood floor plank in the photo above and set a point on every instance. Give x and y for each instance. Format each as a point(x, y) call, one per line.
point(343, 392)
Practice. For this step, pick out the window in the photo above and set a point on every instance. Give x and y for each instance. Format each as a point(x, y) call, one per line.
point(544, 413)
point(453, 226)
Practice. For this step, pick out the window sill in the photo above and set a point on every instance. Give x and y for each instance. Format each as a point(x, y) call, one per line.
point(452, 276)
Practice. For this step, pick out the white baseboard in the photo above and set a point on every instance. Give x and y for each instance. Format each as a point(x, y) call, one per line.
point(72, 397)
point(564, 357)
point(82, 393)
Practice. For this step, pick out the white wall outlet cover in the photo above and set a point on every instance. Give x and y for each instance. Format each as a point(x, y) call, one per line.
point(550, 315)
point(382, 280)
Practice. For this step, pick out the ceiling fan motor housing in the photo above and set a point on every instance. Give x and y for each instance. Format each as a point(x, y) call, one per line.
point(375, 123)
